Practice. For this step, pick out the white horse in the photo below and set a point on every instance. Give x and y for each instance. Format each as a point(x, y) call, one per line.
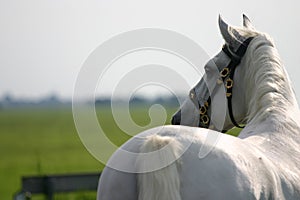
point(263, 162)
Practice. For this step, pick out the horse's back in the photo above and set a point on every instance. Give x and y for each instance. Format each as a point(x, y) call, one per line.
point(232, 170)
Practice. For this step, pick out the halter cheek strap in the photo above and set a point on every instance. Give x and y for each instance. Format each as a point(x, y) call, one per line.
point(236, 58)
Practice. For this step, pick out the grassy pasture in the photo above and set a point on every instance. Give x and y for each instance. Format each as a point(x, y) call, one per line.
point(44, 141)
point(35, 141)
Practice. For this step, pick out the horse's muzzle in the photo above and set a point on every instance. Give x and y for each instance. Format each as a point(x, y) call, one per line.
point(176, 118)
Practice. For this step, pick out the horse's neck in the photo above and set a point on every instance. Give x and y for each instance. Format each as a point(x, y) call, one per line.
point(273, 112)
point(279, 124)
point(278, 136)
point(273, 127)
point(272, 105)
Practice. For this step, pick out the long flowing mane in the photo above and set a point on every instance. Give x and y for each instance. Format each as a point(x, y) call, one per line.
point(272, 101)
point(269, 85)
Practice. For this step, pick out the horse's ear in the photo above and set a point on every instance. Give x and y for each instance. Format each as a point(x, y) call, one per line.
point(247, 23)
point(224, 28)
point(230, 34)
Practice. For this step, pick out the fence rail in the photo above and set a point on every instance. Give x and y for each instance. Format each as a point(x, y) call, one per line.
point(51, 184)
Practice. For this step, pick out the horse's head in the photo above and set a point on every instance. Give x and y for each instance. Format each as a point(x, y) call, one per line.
point(218, 100)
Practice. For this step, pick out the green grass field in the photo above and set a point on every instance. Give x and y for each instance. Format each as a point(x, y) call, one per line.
point(35, 142)
point(44, 141)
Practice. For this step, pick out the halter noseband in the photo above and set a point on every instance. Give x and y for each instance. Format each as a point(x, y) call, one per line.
point(226, 74)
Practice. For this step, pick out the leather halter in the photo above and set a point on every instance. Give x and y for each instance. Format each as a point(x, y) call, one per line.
point(226, 75)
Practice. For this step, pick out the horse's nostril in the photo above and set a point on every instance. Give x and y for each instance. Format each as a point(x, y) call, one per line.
point(173, 120)
point(176, 119)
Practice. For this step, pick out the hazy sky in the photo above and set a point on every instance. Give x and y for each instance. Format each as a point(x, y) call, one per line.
point(43, 44)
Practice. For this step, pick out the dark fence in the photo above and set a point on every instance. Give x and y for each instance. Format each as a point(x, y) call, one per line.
point(49, 185)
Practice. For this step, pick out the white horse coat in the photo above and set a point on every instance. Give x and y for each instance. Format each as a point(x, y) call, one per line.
point(262, 163)
point(235, 169)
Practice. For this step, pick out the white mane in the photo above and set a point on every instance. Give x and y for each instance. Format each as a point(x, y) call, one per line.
point(267, 80)
point(273, 103)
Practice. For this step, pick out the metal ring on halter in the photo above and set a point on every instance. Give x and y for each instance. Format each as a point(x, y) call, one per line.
point(205, 119)
point(229, 83)
point(202, 110)
point(224, 72)
point(206, 104)
point(228, 94)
